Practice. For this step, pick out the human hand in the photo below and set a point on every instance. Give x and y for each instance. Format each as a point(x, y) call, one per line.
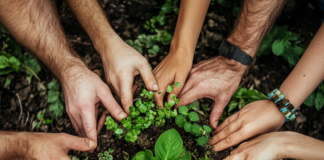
point(122, 63)
point(83, 92)
point(266, 147)
point(175, 67)
point(39, 146)
point(217, 79)
point(254, 119)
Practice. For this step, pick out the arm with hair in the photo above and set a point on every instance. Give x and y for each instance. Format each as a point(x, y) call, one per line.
point(35, 24)
point(121, 62)
point(219, 78)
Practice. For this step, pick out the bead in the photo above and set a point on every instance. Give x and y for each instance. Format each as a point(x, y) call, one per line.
point(281, 96)
point(277, 92)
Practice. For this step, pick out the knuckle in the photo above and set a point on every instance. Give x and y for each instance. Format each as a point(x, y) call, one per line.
point(195, 75)
point(228, 140)
point(227, 131)
point(85, 142)
point(142, 62)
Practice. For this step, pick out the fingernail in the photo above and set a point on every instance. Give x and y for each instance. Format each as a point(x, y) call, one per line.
point(122, 115)
point(92, 144)
point(155, 87)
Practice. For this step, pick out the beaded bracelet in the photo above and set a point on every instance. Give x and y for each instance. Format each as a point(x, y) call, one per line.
point(285, 107)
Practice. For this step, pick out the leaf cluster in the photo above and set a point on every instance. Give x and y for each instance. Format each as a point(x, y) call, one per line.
point(55, 99)
point(168, 146)
point(187, 120)
point(282, 42)
point(41, 120)
point(143, 115)
point(106, 155)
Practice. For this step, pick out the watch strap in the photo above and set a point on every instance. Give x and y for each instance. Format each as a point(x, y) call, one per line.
point(229, 50)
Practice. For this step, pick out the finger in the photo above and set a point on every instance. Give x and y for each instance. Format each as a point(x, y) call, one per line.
point(110, 103)
point(236, 157)
point(75, 125)
point(177, 90)
point(226, 132)
point(159, 97)
point(126, 92)
point(190, 96)
point(216, 113)
point(227, 121)
point(88, 116)
point(148, 78)
point(230, 141)
point(78, 144)
point(101, 122)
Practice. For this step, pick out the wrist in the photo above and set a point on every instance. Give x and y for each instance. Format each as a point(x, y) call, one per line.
point(242, 44)
point(72, 70)
point(184, 52)
point(13, 145)
point(233, 64)
point(105, 41)
point(177, 46)
point(287, 147)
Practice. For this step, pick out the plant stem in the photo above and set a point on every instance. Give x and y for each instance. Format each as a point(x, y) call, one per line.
point(32, 72)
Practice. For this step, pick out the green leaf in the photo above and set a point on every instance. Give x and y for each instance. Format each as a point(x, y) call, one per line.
point(160, 18)
point(183, 110)
point(100, 155)
point(171, 103)
point(319, 100)
point(266, 45)
point(48, 121)
point(232, 105)
point(143, 108)
point(169, 145)
point(180, 120)
point(321, 87)
point(143, 155)
point(132, 109)
point(111, 150)
point(53, 96)
point(3, 62)
point(54, 85)
point(14, 62)
point(130, 42)
point(119, 131)
point(106, 153)
point(138, 103)
point(8, 81)
point(187, 127)
point(202, 140)
point(178, 84)
point(278, 47)
point(177, 100)
point(207, 129)
point(298, 50)
point(154, 50)
point(172, 96)
point(169, 88)
point(225, 3)
point(166, 37)
point(5, 71)
point(291, 36)
point(310, 99)
point(138, 48)
point(185, 155)
point(195, 103)
point(196, 128)
point(193, 116)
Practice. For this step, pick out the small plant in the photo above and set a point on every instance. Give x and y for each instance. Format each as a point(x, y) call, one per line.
point(106, 155)
point(143, 115)
point(55, 99)
point(187, 120)
point(282, 42)
point(206, 156)
point(41, 120)
point(168, 146)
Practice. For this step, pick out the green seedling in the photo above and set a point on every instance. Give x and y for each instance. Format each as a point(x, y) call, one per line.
point(168, 146)
point(55, 99)
point(106, 155)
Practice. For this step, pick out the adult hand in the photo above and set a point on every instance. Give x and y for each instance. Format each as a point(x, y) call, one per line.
point(83, 91)
point(39, 146)
point(217, 79)
point(122, 63)
point(266, 147)
point(175, 67)
point(254, 119)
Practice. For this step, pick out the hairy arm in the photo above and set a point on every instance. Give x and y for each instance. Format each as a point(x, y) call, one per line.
point(255, 19)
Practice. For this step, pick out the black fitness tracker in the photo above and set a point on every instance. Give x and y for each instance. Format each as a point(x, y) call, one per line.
point(230, 51)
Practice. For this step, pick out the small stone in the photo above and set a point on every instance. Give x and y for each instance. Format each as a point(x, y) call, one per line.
point(211, 23)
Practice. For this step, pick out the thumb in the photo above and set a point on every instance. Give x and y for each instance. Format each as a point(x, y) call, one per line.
point(216, 113)
point(80, 144)
point(148, 78)
point(110, 104)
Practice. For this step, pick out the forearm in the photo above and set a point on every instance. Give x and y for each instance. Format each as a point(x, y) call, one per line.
point(95, 22)
point(13, 146)
point(254, 20)
point(190, 20)
point(35, 25)
point(307, 74)
point(302, 147)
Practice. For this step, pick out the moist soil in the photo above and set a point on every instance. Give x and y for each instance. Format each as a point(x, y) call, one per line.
point(20, 103)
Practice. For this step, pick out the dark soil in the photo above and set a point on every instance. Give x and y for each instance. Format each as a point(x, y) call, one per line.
point(20, 104)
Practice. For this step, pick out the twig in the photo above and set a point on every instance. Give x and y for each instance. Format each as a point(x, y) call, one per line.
point(20, 106)
point(194, 156)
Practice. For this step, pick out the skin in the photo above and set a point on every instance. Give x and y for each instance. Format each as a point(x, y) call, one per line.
point(218, 78)
point(279, 145)
point(34, 146)
point(191, 17)
point(262, 116)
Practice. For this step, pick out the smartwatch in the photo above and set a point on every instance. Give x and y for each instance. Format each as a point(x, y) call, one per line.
point(230, 51)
